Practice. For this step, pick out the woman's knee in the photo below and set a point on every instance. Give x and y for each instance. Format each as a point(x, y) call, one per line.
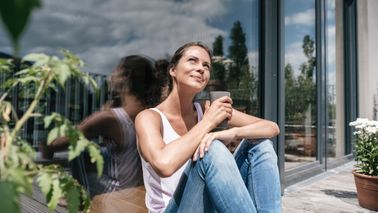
point(218, 151)
point(264, 151)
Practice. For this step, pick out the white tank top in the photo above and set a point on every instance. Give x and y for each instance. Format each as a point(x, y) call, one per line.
point(159, 190)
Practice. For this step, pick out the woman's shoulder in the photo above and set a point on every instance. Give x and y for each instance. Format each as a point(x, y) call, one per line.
point(103, 116)
point(148, 114)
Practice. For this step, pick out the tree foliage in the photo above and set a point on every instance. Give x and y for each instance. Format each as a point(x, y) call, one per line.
point(234, 70)
point(300, 90)
point(218, 68)
point(238, 54)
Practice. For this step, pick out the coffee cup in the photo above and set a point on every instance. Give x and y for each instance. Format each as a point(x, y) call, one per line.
point(214, 95)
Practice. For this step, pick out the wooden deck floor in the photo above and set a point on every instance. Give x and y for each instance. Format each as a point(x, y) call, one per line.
point(127, 200)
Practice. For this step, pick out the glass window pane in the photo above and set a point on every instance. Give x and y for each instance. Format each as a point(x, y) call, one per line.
point(101, 32)
point(335, 142)
point(300, 83)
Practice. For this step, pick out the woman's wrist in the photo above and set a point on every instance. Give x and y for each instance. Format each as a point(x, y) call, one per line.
point(235, 133)
point(208, 126)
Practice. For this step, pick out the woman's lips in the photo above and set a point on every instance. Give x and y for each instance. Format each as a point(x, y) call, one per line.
point(197, 78)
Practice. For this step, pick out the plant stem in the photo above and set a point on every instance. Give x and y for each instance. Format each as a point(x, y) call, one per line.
point(41, 89)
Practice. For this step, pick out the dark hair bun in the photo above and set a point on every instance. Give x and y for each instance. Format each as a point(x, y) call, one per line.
point(140, 76)
point(162, 76)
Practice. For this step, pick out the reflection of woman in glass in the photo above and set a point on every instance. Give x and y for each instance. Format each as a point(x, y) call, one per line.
point(135, 84)
point(177, 130)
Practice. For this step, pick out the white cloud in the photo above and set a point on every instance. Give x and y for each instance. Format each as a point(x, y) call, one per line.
point(100, 32)
point(294, 55)
point(306, 18)
point(253, 58)
point(331, 46)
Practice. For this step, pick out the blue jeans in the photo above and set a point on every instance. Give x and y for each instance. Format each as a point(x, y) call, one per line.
point(219, 182)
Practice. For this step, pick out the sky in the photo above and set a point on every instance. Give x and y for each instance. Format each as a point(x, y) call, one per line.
point(100, 32)
point(300, 21)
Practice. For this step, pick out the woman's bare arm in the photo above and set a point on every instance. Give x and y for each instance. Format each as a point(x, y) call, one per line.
point(98, 124)
point(241, 126)
point(168, 158)
point(251, 127)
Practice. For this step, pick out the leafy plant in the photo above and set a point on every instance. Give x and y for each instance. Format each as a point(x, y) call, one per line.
point(15, 15)
point(17, 168)
point(366, 146)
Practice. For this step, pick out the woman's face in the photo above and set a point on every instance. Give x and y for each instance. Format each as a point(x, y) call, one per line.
point(192, 72)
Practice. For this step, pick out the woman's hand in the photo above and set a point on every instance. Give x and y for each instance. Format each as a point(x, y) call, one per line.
point(218, 111)
point(226, 136)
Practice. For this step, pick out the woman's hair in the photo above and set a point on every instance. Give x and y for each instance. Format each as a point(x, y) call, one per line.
point(139, 76)
point(180, 52)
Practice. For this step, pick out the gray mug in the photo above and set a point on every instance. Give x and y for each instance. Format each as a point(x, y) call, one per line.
point(214, 95)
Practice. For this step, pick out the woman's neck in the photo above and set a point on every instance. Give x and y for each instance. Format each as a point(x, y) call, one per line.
point(132, 106)
point(180, 103)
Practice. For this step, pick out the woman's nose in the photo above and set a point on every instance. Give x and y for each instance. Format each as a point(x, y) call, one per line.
point(201, 68)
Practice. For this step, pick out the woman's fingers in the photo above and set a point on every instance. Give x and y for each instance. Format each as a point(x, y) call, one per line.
point(210, 139)
point(203, 145)
point(219, 110)
point(195, 155)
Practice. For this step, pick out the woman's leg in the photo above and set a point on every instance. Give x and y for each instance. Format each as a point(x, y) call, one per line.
point(212, 183)
point(257, 162)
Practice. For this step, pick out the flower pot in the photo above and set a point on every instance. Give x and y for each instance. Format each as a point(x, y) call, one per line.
point(367, 190)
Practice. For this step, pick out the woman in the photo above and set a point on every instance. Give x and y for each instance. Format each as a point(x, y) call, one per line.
point(177, 130)
point(135, 84)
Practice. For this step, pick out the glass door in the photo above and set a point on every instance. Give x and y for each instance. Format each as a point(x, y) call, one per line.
point(300, 83)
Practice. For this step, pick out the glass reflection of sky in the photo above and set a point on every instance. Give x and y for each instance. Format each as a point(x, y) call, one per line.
point(331, 52)
point(299, 21)
point(331, 40)
point(100, 32)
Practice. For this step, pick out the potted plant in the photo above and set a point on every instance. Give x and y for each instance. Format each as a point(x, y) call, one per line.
point(18, 170)
point(366, 156)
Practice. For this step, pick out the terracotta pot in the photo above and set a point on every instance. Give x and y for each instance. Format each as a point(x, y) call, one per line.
point(367, 190)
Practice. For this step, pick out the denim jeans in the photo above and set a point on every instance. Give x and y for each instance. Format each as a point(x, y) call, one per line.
point(219, 182)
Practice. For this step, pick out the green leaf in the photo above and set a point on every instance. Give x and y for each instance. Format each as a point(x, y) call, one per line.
point(96, 156)
point(73, 197)
point(15, 15)
point(53, 134)
point(19, 177)
point(9, 198)
point(56, 194)
point(38, 58)
point(62, 71)
point(71, 58)
point(48, 119)
point(44, 181)
point(57, 132)
point(27, 79)
point(74, 150)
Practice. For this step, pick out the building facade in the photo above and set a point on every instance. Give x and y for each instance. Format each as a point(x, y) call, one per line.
point(309, 65)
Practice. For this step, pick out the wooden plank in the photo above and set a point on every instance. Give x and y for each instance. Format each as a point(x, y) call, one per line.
point(126, 200)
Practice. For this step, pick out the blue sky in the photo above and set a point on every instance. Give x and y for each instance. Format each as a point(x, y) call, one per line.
point(299, 21)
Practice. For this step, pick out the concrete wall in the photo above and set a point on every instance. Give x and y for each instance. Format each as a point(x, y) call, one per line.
point(368, 58)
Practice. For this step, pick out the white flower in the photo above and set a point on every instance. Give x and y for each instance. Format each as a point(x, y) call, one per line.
point(359, 122)
point(371, 130)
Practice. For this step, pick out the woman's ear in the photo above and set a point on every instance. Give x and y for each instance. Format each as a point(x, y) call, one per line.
point(172, 72)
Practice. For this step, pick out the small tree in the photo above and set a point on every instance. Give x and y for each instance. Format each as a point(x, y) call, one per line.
point(218, 68)
point(17, 168)
point(238, 54)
